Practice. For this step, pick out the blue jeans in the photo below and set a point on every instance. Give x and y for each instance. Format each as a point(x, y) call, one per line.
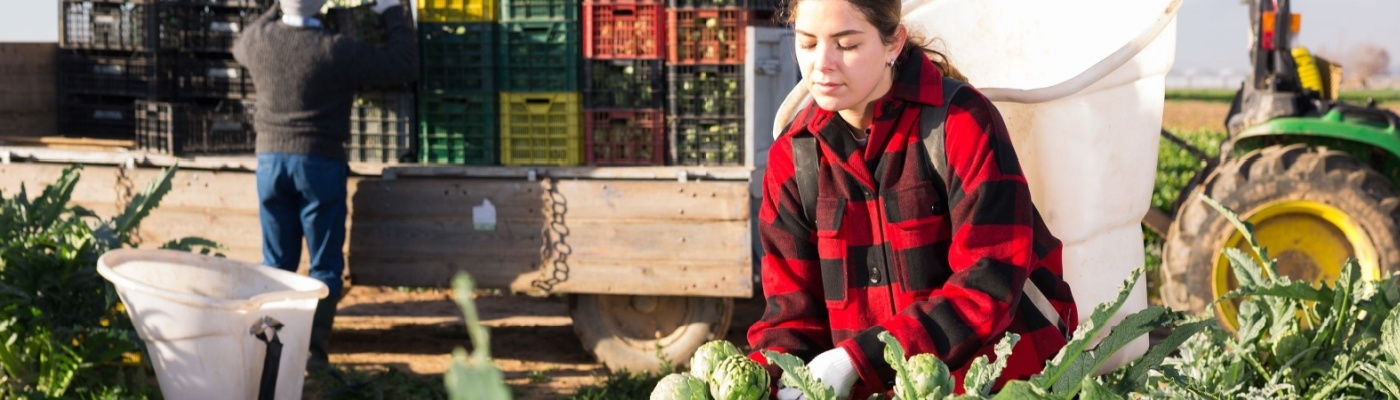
point(303, 195)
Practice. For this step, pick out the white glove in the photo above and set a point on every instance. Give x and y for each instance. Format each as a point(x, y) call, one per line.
point(380, 6)
point(835, 368)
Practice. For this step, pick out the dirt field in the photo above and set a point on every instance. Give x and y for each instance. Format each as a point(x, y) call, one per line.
point(415, 331)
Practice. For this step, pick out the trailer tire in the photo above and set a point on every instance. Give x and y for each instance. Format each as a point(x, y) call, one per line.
point(1347, 208)
point(624, 332)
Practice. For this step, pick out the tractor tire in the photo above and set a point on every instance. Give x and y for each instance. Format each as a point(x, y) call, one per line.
point(1311, 208)
point(626, 332)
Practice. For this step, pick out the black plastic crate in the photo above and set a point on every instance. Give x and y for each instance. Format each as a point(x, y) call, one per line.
point(706, 90)
point(383, 126)
point(624, 84)
point(186, 129)
point(204, 28)
point(457, 58)
point(624, 137)
point(134, 74)
point(96, 116)
point(255, 5)
point(359, 22)
point(212, 78)
point(707, 140)
point(112, 25)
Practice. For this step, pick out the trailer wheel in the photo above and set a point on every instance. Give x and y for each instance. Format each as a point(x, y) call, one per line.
point(1311, 207)
point(626, 332)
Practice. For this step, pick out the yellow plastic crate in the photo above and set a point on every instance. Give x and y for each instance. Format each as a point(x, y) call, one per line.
point(541, 128)
point(441, 11)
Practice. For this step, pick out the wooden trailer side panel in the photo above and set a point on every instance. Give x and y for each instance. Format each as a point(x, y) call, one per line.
point(591, 236)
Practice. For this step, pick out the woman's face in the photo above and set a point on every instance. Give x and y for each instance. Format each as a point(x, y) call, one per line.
point(841, 55)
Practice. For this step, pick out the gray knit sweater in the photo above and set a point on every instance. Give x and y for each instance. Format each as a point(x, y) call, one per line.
point(306, 80)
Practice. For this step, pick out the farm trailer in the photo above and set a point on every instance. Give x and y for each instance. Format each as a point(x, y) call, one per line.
point(648, 257)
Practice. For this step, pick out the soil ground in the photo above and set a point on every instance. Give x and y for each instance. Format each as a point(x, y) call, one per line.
point(533, 341)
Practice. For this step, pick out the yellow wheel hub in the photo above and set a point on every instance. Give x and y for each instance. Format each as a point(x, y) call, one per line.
point(1311, 242)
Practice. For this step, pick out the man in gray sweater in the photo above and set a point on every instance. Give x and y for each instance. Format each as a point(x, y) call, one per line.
point(306, 80)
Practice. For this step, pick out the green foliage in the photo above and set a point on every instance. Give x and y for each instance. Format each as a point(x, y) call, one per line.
point(1227, 95)
point(372, 384)
point(66, 335)
point(623, 385)
point(1294, 339)
point(797, 376)
point(473, 377)
point(981, 376)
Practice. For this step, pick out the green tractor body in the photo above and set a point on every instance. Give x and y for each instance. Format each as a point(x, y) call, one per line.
point(1317, 178)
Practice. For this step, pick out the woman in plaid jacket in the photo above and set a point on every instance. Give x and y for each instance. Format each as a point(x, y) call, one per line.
point(893, 247)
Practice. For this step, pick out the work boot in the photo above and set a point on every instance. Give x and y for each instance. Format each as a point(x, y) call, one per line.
point(318, 358)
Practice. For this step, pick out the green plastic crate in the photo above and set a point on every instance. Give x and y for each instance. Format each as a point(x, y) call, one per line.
point(458, 129)
point(457, 58)
point(539, 57)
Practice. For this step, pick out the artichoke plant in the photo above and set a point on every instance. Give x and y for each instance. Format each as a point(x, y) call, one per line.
point(680, 387)
point(708, 356)
point(739, 378)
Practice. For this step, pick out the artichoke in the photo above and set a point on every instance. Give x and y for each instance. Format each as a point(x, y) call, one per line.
point(927, 378)
point(708, 356)
point(680, 387)
point(739, 378)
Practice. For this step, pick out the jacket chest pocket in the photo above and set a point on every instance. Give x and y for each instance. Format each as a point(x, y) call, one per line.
point(831, 250)
point(921, 231)
point(915, 205)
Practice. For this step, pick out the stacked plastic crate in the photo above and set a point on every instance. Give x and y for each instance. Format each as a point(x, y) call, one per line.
point(705, 77)
point(624, 48)
point(382, 118)
point(457, 91)
point(538, 57)
point(160, 72)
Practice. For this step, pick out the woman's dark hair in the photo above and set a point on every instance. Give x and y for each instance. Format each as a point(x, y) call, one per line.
point(885, 15)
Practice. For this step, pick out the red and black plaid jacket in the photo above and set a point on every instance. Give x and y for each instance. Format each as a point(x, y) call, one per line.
point(891, 250)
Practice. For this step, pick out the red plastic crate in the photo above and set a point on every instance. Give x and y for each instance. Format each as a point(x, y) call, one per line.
point(631, 31)
point(624, 137)
point(706, 36)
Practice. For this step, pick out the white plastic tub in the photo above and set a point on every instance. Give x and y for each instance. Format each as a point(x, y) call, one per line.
point(1081, 85)
point(194, 313)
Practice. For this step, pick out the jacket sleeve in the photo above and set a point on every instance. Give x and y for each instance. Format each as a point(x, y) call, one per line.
point(990, 254)
point(795, 319)
point(396, 62)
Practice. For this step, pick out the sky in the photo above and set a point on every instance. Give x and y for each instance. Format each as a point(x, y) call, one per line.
point(1211, 33)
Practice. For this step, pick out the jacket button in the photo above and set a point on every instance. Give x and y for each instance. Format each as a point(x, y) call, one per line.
point(874, 275)
point(867, 194)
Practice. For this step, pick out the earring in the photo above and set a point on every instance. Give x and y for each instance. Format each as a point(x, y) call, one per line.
point(891, 63)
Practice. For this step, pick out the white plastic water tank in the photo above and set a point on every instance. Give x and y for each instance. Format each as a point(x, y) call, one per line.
point(1081, 85)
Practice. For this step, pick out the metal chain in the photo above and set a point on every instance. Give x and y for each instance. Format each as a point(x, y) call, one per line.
point(554, 234)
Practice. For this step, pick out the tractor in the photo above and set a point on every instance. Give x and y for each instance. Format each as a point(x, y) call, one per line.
point(1316, 177)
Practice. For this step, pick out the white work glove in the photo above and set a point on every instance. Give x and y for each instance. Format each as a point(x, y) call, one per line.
point(380, 6)
point(835, 368)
